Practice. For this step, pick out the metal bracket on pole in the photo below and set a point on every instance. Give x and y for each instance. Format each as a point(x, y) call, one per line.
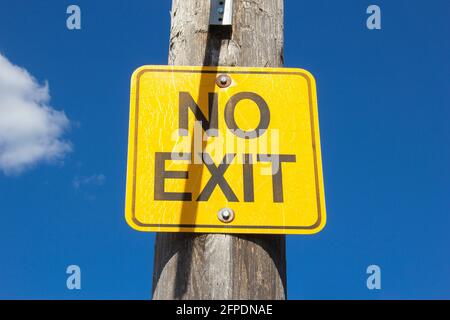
point(221, 13)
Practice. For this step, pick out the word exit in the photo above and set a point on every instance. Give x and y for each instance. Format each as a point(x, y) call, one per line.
point(218, 179)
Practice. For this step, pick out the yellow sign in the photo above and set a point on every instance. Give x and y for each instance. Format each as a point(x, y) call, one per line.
point(224, 150)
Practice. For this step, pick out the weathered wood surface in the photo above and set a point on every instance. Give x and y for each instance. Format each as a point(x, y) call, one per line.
point(216, 266)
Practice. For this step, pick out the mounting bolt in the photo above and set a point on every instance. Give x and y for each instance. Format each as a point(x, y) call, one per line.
point(226, 215)
point(221, 13)
point(223, 81)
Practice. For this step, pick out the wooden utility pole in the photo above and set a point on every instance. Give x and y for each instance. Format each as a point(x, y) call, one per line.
point(216, 266)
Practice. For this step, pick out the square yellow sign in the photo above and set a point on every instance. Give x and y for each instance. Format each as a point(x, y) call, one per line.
point(224, 150)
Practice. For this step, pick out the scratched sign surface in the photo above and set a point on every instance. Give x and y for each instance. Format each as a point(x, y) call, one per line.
point(224, 150)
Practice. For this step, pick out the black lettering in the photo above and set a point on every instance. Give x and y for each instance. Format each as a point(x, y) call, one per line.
point(217, 178)
point(277, 175)
point(263, 110)
point(161, 174)
point(247, 168)
point(209, 126)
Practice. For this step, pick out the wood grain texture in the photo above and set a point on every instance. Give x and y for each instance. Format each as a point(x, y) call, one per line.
point(217, 266)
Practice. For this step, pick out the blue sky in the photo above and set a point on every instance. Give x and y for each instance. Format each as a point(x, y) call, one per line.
point(384, 105)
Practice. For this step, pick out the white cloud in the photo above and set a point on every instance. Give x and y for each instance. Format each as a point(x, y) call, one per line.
point(95, 180)
point(31, 131)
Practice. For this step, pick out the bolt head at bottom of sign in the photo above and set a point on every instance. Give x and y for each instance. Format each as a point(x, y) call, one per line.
point(226, 215)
